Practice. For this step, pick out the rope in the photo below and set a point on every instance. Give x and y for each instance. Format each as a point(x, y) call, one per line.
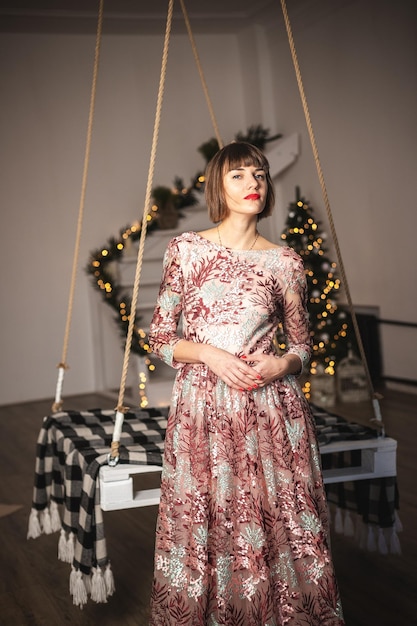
point(374, 396)
point(200, 71)
point(62, 366)
point(120, 409)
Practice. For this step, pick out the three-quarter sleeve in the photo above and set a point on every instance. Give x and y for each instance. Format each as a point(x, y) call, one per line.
point(296, 322)
point(163, 335)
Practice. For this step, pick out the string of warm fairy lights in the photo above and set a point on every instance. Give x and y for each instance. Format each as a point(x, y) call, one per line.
point(101, 270)
point(103, 278)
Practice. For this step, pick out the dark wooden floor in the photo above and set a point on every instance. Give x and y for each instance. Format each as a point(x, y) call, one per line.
point(376, 590)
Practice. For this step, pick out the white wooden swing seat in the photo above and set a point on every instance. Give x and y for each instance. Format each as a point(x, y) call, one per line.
point(375, 458)
point(378, 460)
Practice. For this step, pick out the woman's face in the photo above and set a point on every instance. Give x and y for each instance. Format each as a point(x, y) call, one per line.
point(245, 190)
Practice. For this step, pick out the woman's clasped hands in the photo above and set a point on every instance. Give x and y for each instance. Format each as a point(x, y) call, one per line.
point(238, 372)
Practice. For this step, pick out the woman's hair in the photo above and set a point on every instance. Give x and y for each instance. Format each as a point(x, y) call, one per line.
point(233, 156)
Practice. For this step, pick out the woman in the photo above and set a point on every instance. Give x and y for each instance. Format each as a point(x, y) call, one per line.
point(242, 532)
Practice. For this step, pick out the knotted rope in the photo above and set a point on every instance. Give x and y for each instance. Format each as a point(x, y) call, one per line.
point(374, 396)
point(62, 366)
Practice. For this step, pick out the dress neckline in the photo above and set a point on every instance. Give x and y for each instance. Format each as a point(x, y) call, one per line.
point(222, 247)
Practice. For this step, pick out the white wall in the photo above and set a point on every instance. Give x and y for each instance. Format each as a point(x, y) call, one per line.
point(358, 62)
point(45, 85)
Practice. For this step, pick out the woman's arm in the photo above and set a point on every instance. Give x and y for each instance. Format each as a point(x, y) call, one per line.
point(163, 334)
point(296, 329)
point(296, 322)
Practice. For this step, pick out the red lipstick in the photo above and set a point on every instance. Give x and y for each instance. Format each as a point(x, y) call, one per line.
point(252, 196)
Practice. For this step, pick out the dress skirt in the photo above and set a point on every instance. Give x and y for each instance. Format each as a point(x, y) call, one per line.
point(242, 531)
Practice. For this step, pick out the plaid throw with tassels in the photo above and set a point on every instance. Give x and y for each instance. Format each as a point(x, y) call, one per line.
point(71, 448)
point(73, 445)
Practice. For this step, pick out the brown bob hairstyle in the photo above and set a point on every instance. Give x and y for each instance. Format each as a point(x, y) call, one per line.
point(233, 156)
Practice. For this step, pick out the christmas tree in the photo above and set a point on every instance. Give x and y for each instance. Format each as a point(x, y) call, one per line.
point(331, 331)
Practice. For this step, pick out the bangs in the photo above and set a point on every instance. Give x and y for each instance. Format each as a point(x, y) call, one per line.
point(243, 155)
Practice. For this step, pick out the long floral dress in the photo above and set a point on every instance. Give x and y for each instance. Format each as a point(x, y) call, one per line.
point(242, 531)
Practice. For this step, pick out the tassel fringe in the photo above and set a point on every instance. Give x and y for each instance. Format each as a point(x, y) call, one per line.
point(77, 588)
point(87, 583)
point(109, 580)
point(46, 522)
point(358, 529)
point(338, 521)
point(34, 527)
point(382, 543)
point(62, 547)
point(394, 544)
point(66, 547)
point(371, 543)
point(72, 578)
point(397, 522)
point(368, 536)
point(70, 547)
point(363, 536)
point(348, 527)
point(55, 517)
point(98, 586)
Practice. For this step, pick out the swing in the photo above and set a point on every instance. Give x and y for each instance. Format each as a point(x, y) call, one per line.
point(379, 456)
point(74, 466)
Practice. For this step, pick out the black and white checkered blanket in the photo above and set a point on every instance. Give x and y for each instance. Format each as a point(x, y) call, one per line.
point(374, 502)
point(71, 448)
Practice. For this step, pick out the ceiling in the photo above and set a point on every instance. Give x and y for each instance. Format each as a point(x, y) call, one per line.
point(135, 16)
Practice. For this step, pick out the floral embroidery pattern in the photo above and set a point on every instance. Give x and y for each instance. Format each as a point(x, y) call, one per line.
point(242, 527)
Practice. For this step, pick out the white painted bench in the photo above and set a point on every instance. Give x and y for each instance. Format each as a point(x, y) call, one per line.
point(378, 459)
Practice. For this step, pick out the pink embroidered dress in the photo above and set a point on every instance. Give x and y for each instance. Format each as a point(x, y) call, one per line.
point(242, 536)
